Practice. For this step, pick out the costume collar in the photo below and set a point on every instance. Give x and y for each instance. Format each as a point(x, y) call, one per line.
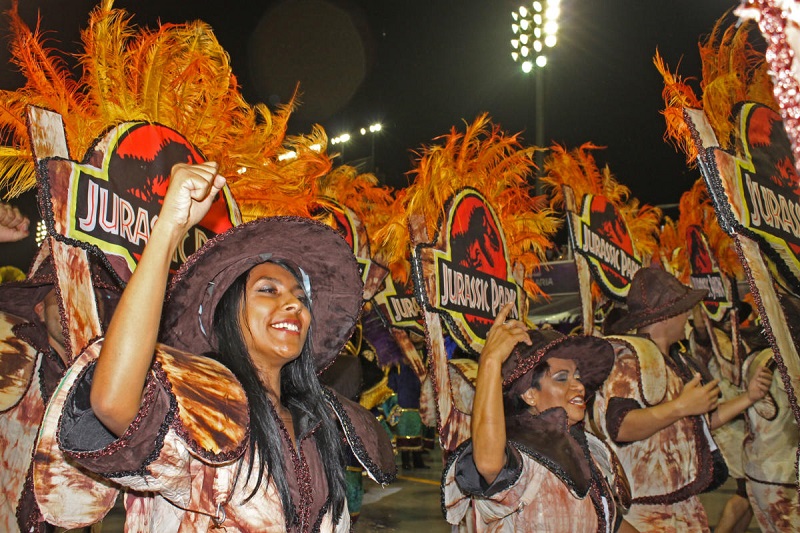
point(549, 440)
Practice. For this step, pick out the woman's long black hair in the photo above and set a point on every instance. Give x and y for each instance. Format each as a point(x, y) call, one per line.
point(299, 388)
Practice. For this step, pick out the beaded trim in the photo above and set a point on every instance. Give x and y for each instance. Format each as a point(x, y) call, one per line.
point(359, 450)
point(302, 472)
point(124, 440)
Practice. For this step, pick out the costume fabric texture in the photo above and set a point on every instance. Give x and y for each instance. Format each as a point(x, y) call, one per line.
point(534, 492)
point(769, 453)
point(669, 469)
point(30, 372)
point(181, 487)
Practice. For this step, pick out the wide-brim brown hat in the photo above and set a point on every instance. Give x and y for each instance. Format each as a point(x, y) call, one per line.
point(593, 356)
point(316, 250)
point(656, 295)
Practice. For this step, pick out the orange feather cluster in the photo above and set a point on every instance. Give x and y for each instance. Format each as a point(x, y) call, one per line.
point(364, 195)
point(733, 71)
point(496, 165)
point(177, 75)
point(578, 169)
point(672, 250)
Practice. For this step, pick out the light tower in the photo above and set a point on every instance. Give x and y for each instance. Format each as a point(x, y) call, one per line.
point(535, 29)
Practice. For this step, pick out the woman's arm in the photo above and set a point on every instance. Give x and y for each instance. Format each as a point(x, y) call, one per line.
point(757, 388)
point(129, 344)
point(694, 399)
point(488, 420)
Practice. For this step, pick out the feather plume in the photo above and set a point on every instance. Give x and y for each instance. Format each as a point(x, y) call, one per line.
point(578, 169)
point(366, 197)
point(733, 71)
point(496, 165)
point(178, 75)
point(697, 209)
point(672, 250)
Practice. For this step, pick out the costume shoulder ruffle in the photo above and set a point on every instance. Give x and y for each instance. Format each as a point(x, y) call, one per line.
point(17, 362)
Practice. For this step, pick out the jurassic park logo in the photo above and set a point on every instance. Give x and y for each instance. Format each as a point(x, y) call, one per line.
point(345, 221)
point(116, 193)
point(705, 274)
point(398, 306)
point(768, 189)
point(466, 272)
point(603, 239)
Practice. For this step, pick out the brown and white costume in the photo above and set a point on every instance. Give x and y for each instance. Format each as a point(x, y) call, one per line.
point(30, 370)
point(183, 453)
point(770, 449)
point(557, 476)
point(668, 470)
point(555, 480)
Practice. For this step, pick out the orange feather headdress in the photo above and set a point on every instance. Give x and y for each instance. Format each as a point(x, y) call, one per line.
point(497, 166)
point(364, 195)
point(578, 169)
point(697, 209)
point(177, 75)
point(733, 72)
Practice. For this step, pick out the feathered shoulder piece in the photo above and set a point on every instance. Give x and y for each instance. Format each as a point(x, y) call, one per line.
point(177, 75)
point(578, 169)
point(697, 209)
point(364, 195)
point(496, 165)
point(733, 71)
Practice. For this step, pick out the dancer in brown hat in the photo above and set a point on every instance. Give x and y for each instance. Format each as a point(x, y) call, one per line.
point(272, 303)
point(653, 407)
point(530, 466)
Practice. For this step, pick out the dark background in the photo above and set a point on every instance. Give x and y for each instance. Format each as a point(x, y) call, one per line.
point(420, 67)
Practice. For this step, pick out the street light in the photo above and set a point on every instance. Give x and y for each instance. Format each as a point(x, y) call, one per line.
point(341, 139)
point(373, 129)
point(535, 29)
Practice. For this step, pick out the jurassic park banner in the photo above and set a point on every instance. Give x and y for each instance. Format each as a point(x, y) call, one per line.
point(757, 192)
point(705, 274)
point(113, 197)
point(346, 222)
point(398, 307)
point(465, 274)
point(600, 235)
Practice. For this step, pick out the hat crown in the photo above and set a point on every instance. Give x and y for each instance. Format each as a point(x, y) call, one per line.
point(653, 289)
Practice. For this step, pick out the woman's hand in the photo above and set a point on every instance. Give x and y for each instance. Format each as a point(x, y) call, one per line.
point(696, 398)
point(504, 335)
point(13, 224)
point(192, 190)
point(759, 384)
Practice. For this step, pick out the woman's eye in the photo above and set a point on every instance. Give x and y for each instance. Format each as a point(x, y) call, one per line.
point(268, 289)
point(303, 299)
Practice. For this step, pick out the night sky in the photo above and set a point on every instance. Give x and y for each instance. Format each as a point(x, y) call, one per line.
point(421, 67)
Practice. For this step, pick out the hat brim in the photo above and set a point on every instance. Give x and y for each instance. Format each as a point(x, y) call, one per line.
point(324, 256)
point(593, 356)
point(631, 321)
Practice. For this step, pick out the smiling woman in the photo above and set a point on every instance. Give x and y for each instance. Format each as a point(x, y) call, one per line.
point(532, 455)
point(245, 301)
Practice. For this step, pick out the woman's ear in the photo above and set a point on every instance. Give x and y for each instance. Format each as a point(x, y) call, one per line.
point(530, 397)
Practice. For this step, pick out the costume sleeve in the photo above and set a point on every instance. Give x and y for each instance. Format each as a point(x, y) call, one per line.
point(472, 484)
point(622, 392)
point(467, 498)
point(84, 438)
